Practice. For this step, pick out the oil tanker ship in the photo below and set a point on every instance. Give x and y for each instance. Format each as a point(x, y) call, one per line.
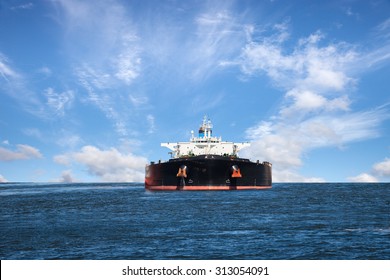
point(207, 163)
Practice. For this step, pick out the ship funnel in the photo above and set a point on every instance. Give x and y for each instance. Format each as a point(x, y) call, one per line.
point(201, 132)
point(205, 130)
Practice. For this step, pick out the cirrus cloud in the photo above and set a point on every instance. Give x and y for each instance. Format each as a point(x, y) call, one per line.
point(5, 69)
point(58, 102)
point(106, 62)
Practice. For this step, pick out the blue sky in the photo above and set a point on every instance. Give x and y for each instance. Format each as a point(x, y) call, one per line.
point(89, 89)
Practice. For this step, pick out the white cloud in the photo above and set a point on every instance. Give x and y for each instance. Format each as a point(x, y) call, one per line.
point(68, 140)
point(62, 159)
point(316, 111)
point(138, 100)
point(97, 86)
point(35, 133)
point(349, 12)
point(128, 66)
point(2, 179)
point(67, 177)
point(308, 67)
point(26, 6)
point(382, 168)
point(105, 30)
point(107, 54)
point(17, 86)
point(21, 152)
point(192, 47)
point(93, 79)
point(151, 124)
point(108, 165)
point(363, 178)
point(380, 55)
point(44, 71)
point(58, 102)
point(306, 100)
point(219, 37)
point(383, 29)
point(286, 144)
point(5, 69)
point(113, 52)
point(292, 176)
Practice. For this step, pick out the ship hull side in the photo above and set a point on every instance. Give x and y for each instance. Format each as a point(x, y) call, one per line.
point(208, 173)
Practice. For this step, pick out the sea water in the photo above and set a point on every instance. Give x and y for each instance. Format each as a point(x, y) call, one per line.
point(123, 221)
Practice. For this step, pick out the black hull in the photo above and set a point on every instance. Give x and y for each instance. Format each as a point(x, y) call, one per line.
point(208, 172)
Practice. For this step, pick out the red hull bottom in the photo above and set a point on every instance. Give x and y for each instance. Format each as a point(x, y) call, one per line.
point(206, 188)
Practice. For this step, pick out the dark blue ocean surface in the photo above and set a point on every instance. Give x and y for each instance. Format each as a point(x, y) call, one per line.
point(123, 221)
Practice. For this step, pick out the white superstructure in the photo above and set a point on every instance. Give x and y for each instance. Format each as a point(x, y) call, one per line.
point(204, 144)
